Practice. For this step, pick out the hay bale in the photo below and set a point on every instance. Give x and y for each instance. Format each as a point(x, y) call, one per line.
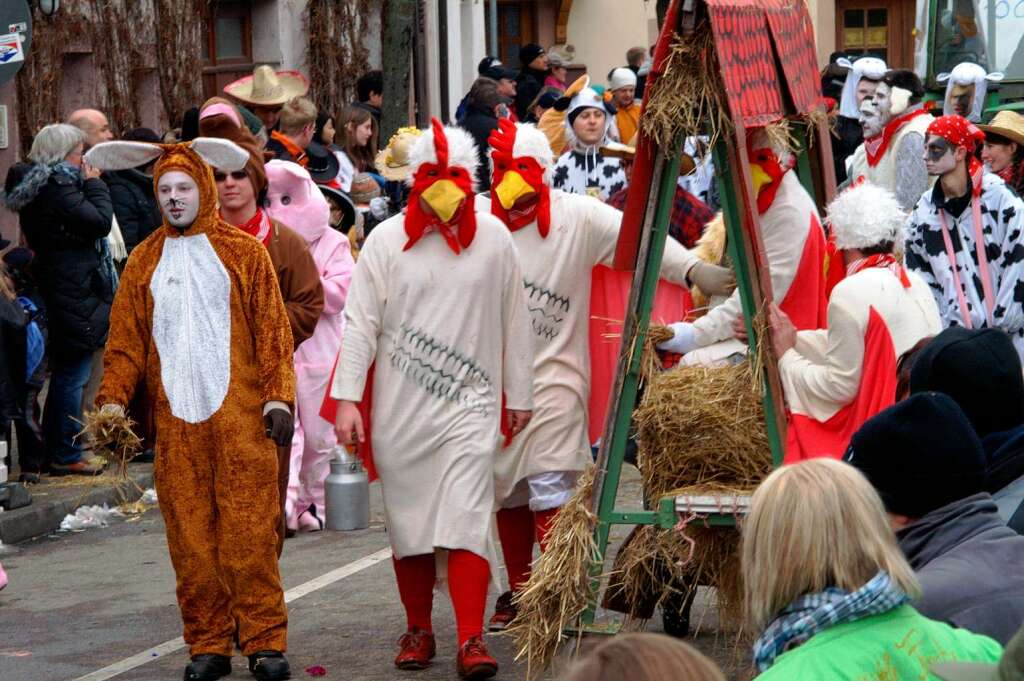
point(559, 589)
point(703, 429)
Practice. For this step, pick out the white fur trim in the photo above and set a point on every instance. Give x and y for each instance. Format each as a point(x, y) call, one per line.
point(532, 143)
point(865, 216)
point(621, 78)
point(966, 73)
point(870, 67)
point(461, 151)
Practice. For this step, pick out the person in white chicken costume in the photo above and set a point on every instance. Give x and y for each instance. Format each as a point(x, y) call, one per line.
point(560, 237)
point(437, 304)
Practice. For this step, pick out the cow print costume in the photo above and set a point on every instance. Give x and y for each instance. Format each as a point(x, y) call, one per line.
point(1002, 215)
point(576, 172)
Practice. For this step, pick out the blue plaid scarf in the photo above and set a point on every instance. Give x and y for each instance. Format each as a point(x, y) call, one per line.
point(814, 613)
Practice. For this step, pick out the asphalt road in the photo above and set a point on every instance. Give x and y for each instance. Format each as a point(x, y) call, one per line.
point(100, 605)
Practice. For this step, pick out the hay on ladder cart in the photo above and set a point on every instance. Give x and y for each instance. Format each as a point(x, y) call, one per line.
point(559, 587)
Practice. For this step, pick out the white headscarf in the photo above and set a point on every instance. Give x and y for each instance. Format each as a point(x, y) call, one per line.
point(967, 73)
point(865, 67)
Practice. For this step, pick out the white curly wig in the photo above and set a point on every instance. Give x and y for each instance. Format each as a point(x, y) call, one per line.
point(461, 151)
point(866, 215)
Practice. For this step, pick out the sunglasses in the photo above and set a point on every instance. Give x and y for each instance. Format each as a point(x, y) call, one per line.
point(237, 175)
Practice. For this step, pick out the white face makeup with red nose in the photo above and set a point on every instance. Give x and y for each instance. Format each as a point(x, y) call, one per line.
point(178, 196)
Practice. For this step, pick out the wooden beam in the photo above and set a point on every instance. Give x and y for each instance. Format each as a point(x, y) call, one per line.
point(562, 22)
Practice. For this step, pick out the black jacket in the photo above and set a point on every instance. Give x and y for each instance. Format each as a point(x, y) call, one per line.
point(131, 193)
point(479, 123)
point(12, 361)
point(529, 83)
point(62, 220)
point(847, 137)
point(969, 564)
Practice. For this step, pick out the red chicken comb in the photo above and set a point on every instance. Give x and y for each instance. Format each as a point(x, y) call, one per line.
point(503, 138)
point(440, 142)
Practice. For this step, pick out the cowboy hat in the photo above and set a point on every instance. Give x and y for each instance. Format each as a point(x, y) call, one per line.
point(267, 87)
point(322, 164)
point(393, 161)
point(1006, 124)
point(341, 200)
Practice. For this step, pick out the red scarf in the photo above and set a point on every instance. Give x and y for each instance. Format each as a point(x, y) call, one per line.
point(1007, 174)
point(876, 147)
point(460, 230)
point(883, 260)
point(258, 226)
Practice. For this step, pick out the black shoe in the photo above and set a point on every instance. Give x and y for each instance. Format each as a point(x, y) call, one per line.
point(207, 667)
point(269, 665)
point(675, 611)
point(29, 478)
point(147, 456)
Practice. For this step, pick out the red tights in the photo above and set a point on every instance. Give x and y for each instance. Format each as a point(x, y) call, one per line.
point(468, 576)
point(518, 528)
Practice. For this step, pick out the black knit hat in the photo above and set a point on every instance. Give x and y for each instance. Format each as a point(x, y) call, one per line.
point(980, 370)
point(919, 455)
point(529, 52)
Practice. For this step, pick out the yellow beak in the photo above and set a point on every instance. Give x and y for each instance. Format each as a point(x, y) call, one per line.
point(444, 198)
point(512, 188)
point(760, 177)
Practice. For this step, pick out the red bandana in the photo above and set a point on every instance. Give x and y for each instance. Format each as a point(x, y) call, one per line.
point(877, 145)
point(502, 141)
point(459, 231)
point(258, 226)
point(960, 132)
point(883, 260)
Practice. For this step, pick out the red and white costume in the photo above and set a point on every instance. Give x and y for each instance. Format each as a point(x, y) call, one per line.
point(437, 305)
point(795, 247)
point(834, 379)
point(560, 239)
point(294, 199)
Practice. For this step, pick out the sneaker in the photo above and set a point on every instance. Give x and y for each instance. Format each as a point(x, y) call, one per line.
point(77, 468)
point(474, 662)
point(504, 612)
point(207, 667)
point(417, 649)
point(269, 665)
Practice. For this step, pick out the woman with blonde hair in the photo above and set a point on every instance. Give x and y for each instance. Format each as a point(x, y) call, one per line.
point(644, 657)
point(828, 588)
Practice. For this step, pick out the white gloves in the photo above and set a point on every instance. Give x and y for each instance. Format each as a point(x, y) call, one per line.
point(712, 279)
point(683, 341)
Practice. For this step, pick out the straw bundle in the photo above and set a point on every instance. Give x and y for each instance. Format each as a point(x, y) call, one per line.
point(559, 587)
point(689, 97)
point(110, 436)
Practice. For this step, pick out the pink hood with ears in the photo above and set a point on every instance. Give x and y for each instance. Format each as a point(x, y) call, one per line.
point(295, 200)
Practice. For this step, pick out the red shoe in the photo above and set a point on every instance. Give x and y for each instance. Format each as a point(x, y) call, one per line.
point(504, 612)
point(417, 649)
point(474, 662)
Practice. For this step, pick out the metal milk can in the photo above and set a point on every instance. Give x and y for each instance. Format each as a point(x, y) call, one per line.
point(346, 492)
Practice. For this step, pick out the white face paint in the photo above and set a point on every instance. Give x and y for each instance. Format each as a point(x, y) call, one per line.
point(876, 111)
point(178, 196)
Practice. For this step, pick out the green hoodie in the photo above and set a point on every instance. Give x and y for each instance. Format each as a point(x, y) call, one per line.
point(899, 645)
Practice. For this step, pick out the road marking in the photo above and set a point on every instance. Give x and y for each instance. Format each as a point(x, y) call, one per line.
point(174, 645)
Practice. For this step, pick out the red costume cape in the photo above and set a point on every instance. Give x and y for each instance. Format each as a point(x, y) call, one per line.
point(808, 438)
point(806, 302)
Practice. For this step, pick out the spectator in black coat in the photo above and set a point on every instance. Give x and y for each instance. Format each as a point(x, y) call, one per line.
point(531, 77)
point(131, 192)
point(483, 107)
point(65, 214)
point(927, 464)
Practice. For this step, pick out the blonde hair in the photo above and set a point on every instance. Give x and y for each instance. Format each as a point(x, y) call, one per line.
point(296, 114)
point(644, 657)
point(814, 525)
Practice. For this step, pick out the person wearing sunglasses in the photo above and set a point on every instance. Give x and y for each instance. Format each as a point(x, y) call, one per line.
point(963, 236)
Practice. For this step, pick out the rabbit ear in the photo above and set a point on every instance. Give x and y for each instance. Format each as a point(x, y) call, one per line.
point(943, 77)
point(222, 154)
point(122, 155)
point(844, 62)
point(995, 76)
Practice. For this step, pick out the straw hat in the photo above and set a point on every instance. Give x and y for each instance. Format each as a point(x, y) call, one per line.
point(1008, 124)
point(267, 87)
point(393, 161)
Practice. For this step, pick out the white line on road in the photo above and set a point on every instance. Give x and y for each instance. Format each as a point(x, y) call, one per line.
point(156, 652)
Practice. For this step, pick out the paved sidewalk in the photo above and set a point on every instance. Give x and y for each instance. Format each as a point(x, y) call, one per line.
point(57, 497)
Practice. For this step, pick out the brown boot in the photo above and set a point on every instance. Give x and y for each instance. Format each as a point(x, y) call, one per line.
point(77, 468)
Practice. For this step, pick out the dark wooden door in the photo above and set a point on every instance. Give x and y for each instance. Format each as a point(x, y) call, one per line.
point(882, 28)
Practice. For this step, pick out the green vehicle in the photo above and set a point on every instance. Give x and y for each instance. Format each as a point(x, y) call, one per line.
point(989, 33)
